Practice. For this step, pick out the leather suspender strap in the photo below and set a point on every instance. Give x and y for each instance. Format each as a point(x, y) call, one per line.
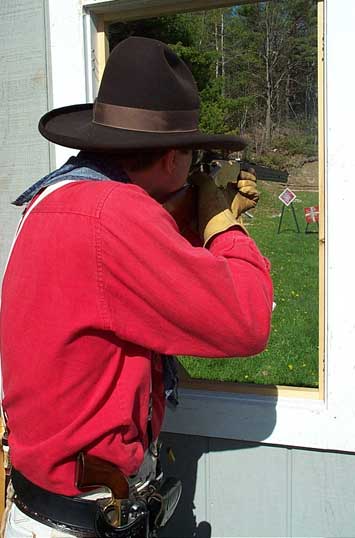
point(4, 438)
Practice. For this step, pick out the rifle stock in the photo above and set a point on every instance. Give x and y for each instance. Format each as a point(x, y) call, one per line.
point(182, 206)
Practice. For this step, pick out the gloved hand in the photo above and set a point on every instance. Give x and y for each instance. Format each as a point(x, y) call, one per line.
point(221, 208)
point(243, 193)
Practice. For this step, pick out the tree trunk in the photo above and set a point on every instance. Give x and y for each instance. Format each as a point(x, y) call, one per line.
point(288, 91)
point(268, 83)
point(217, 46)
point(223, 60)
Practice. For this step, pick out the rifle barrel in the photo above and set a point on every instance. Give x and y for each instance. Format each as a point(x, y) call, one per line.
point(267, 174)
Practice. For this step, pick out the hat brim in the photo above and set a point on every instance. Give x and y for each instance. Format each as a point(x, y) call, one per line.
point(72, 127)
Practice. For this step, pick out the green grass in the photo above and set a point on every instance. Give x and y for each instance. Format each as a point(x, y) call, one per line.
point(291, 357)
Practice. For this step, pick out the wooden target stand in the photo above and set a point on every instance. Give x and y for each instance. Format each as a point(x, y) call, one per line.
point(311, 214)
point(287, 198)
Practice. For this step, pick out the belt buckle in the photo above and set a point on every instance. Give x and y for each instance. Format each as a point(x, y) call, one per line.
point(112, 510)
point(121, 517)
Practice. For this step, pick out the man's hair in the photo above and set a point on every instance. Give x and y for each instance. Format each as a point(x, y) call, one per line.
point(138, 161)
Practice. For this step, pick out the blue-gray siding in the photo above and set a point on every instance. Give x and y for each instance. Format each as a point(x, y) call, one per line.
point(237, 489)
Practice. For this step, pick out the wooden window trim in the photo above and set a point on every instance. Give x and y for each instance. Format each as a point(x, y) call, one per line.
point(126, 10)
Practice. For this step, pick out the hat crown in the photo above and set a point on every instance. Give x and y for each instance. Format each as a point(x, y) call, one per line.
point(145, 73)
point(148, 99)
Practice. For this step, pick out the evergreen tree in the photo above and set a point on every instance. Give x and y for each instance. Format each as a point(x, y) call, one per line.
point(255, 66)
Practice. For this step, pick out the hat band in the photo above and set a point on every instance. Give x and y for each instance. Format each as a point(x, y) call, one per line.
point(148, 121)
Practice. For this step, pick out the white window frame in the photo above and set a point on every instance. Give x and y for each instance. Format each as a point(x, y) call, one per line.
point(321, 419)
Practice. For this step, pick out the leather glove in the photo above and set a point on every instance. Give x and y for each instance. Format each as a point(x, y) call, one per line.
point(213, 207)
point(243, 194)
point(220, 208)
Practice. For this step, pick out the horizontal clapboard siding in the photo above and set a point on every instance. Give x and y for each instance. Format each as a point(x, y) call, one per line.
point(236, 489)
point(24, 154)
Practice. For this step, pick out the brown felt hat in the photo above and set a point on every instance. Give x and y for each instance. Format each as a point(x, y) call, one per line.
point(148, 99)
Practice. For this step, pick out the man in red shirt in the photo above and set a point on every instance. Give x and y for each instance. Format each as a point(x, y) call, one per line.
point(102, 287)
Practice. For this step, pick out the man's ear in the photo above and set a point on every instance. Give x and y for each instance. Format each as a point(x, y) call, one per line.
point(168, 161)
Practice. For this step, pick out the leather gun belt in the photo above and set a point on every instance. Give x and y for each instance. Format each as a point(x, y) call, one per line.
point(71, 514)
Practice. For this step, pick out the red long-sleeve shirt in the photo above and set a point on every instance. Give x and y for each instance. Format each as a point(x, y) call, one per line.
point(99, 278)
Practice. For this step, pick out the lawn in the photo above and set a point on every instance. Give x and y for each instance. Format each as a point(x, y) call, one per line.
point(291, 357)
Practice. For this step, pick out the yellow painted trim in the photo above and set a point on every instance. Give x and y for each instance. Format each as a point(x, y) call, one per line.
point(102, 45)
point(277, 391)
point(321, 172)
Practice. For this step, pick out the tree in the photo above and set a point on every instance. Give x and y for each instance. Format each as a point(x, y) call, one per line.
point(255, 65)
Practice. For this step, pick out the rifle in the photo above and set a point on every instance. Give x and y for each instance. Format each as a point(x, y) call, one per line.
point(228, 167)
point(224, 168)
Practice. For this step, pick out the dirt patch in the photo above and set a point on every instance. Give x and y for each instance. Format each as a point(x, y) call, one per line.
point(304, 177)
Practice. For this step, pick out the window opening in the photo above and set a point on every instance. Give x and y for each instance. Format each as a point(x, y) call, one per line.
point(259, 68)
